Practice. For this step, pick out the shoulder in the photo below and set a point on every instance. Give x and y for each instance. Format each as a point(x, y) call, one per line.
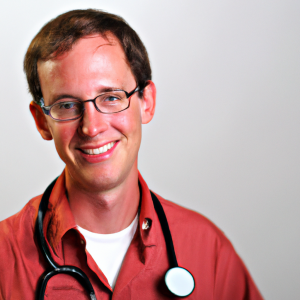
point(19, 226)
point(203, 249)
point(18, 248)
point(194, 228)
point(184, 219)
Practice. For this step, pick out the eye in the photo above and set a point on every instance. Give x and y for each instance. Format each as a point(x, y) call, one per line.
point(111, 98)
point(66, 105)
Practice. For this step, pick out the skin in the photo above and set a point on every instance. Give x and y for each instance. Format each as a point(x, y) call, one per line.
point(103, 192)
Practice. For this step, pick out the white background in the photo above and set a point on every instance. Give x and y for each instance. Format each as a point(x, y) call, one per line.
point(225, 139)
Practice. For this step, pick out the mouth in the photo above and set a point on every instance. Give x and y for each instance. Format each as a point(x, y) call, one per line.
point(100, 150)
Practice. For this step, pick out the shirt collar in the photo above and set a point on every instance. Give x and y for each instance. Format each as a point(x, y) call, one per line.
point(148, 220)
point(59, 218)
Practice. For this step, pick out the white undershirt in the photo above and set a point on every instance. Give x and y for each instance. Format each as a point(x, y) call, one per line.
point(108, 250)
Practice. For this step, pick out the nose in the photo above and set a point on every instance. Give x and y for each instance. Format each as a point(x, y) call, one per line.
point(93, 122)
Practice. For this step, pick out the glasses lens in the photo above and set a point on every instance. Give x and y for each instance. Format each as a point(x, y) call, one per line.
point(66, 110)
point(112, 102)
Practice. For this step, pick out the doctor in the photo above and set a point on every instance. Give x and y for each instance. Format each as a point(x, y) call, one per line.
point(90, 79)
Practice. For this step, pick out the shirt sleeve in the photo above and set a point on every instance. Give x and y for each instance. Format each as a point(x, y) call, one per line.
point(7, 262)
point(232, 279)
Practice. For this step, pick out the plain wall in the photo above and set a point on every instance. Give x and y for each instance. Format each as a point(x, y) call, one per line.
point(225, 138)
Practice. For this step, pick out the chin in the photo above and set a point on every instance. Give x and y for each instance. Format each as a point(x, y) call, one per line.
point(104, 183)
point(99, 182)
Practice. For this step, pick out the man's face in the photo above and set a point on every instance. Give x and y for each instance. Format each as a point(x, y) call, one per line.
point(91, 66)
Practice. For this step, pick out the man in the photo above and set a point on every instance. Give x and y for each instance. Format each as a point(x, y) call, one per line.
point(90, 78)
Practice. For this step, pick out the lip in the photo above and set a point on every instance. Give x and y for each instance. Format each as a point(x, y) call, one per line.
point(95, 158)
point(85, 147)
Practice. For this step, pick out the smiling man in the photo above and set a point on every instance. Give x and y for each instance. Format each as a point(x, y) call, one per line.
point(98, 232)
point(98, 139)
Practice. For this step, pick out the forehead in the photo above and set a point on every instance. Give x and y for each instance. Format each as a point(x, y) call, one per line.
point(92, 63)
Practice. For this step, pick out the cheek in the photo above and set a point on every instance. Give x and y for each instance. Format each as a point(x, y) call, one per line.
point(129, 124)
point(62, 134)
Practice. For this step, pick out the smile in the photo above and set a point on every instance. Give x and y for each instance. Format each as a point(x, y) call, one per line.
point(100, 150)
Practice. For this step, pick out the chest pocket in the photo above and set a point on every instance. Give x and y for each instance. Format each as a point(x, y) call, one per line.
point(65, 287)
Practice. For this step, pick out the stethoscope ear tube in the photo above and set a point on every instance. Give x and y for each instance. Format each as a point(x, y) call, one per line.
point(166, 230)
point(71, 270)
point(39, 224)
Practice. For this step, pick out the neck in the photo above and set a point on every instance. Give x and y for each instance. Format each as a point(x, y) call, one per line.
point(107, 211)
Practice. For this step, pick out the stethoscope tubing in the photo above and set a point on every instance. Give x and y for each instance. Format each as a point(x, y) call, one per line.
point(56, 269)
point(76, 272)
point(71, 270)
point(166, 230)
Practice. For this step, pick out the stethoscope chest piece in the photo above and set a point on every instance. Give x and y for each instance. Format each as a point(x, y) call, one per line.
point(179, 281)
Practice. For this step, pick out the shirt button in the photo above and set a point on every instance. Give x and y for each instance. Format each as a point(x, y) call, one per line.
point(146, 224)
point(82, 242)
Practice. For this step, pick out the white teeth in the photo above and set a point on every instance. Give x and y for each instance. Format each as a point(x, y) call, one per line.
point(99, 150)
point(96, 151)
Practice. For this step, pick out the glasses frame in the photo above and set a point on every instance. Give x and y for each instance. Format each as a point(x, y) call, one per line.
point(47, 109)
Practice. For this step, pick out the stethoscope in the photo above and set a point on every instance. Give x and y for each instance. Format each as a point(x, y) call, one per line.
point(179, 281)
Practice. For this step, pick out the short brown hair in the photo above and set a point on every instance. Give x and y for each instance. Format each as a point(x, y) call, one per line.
point(58, 36)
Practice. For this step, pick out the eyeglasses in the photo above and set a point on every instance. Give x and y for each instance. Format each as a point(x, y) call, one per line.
point(107, 103)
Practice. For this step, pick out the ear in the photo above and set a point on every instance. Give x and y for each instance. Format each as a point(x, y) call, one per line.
point(148, 102)
point(40, 121)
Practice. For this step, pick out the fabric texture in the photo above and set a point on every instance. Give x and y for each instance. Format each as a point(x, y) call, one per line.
point(200, 247)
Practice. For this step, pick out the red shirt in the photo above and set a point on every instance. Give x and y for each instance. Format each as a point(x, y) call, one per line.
point(199, 245)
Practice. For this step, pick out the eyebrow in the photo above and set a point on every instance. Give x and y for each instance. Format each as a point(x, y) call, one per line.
point(58, 97)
